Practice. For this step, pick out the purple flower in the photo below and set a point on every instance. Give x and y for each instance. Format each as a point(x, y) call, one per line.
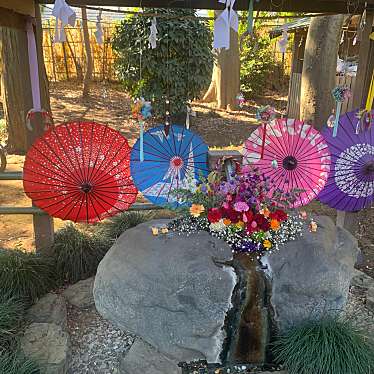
point(241, 206)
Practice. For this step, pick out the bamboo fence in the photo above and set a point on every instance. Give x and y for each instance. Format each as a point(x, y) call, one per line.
point(67, 60)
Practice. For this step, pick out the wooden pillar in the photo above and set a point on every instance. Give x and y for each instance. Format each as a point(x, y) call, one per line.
point(349, 220)
point(43, 223)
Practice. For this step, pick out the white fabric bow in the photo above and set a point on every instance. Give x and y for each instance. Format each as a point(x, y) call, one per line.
point(65, 15)
point(99, 34)
point(228, 19)
point(152, 39)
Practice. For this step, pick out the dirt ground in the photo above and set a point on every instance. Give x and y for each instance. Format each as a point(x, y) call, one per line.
point(110, 105)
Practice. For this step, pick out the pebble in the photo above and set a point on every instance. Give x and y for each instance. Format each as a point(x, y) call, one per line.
point(96, 343)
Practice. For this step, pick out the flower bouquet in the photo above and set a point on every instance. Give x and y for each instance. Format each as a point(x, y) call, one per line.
point(245, 211)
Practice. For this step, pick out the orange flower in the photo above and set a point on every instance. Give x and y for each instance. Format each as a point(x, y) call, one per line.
point(274, 224)
point(240, 224)
point(196, 210)
point(226, 221)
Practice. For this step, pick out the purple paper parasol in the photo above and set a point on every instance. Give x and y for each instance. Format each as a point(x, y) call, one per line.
point(350, 186)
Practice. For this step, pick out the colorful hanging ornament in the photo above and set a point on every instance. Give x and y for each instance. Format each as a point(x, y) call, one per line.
point(265, 115)
point(141, 111)
point(99, 34)
point(65, 15)
point(228, 19)
point(152, 39)
point(240, 100)
point(340, 94)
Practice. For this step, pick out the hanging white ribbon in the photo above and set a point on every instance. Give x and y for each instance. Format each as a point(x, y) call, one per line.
point(283, 41)
point(152, 39)
point(99, 34)
point(65, 15)
point(190, 113)
point(227, 20)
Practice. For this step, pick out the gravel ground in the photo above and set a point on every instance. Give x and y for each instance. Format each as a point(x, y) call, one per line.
point(96, 343)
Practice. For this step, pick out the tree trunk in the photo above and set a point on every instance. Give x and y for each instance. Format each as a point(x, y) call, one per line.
point(87, 48)
point(14, 76)
point(319, 69)
point(225, 84)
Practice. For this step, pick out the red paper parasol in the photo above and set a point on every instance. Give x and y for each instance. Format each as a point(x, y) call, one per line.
point(296, 156)
point(80, 171)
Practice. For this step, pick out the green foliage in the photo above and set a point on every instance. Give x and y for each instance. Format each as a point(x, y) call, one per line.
point(327, 346)
point(16, 363)
point(116, 225)
point(25, 276)
point(11, 315)
point(77, 254)
point(180, 66)
point(256, 63)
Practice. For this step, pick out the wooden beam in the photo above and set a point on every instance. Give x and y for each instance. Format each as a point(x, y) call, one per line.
point(9, 18)
point(312, 6)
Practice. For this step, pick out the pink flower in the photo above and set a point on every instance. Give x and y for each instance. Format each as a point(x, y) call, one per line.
point(241, 206)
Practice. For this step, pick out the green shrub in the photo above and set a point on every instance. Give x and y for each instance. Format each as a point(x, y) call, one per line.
point(11, 316)
point(116, 225)
point(25, 276)
point(184, 75)
point(256, 64)
point(16, 363)
point(328, 346)
point(77, 254)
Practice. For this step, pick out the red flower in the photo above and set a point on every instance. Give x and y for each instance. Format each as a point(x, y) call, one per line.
point(231, 214)
point(214, 215)
point(279, 215)
point(248, 216)
point(262, 223)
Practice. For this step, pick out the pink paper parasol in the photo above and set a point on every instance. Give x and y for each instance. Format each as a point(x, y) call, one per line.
point(296, 156)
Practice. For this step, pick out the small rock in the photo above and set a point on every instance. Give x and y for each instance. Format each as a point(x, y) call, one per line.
point(362, 280)
point(80, 294)
point(143, 358)
point(370, 299)
point(51, 308)
point(48, 345)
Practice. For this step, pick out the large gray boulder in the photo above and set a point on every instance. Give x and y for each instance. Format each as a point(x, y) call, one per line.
point(172, 291)
point(311, 276)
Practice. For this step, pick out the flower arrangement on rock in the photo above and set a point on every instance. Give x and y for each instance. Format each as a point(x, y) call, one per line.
point(245, 211)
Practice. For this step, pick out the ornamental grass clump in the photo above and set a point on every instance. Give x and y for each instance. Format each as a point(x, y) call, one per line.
point(77, 253)
point(16, 363)
point(331, 345)
point(25, 276)
point(116, 225)
point(11, 317)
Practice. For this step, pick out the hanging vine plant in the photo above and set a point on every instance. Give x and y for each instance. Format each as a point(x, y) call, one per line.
point(179, 67)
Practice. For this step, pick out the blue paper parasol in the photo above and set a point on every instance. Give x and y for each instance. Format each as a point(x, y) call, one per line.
point(171, 162)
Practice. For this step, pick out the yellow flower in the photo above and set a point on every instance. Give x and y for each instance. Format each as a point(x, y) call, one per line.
point(240, 224)
point(196, 210)
point(226, 221)
point(274, 224)
point(267, 244)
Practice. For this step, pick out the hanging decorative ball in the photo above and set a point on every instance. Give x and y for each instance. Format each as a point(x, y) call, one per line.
point(274, 164)
point(265, 114)
point(341, 93)
point(240, 100)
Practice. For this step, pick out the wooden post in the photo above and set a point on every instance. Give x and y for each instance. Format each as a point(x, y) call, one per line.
point(349, 220)
point(43, 224)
